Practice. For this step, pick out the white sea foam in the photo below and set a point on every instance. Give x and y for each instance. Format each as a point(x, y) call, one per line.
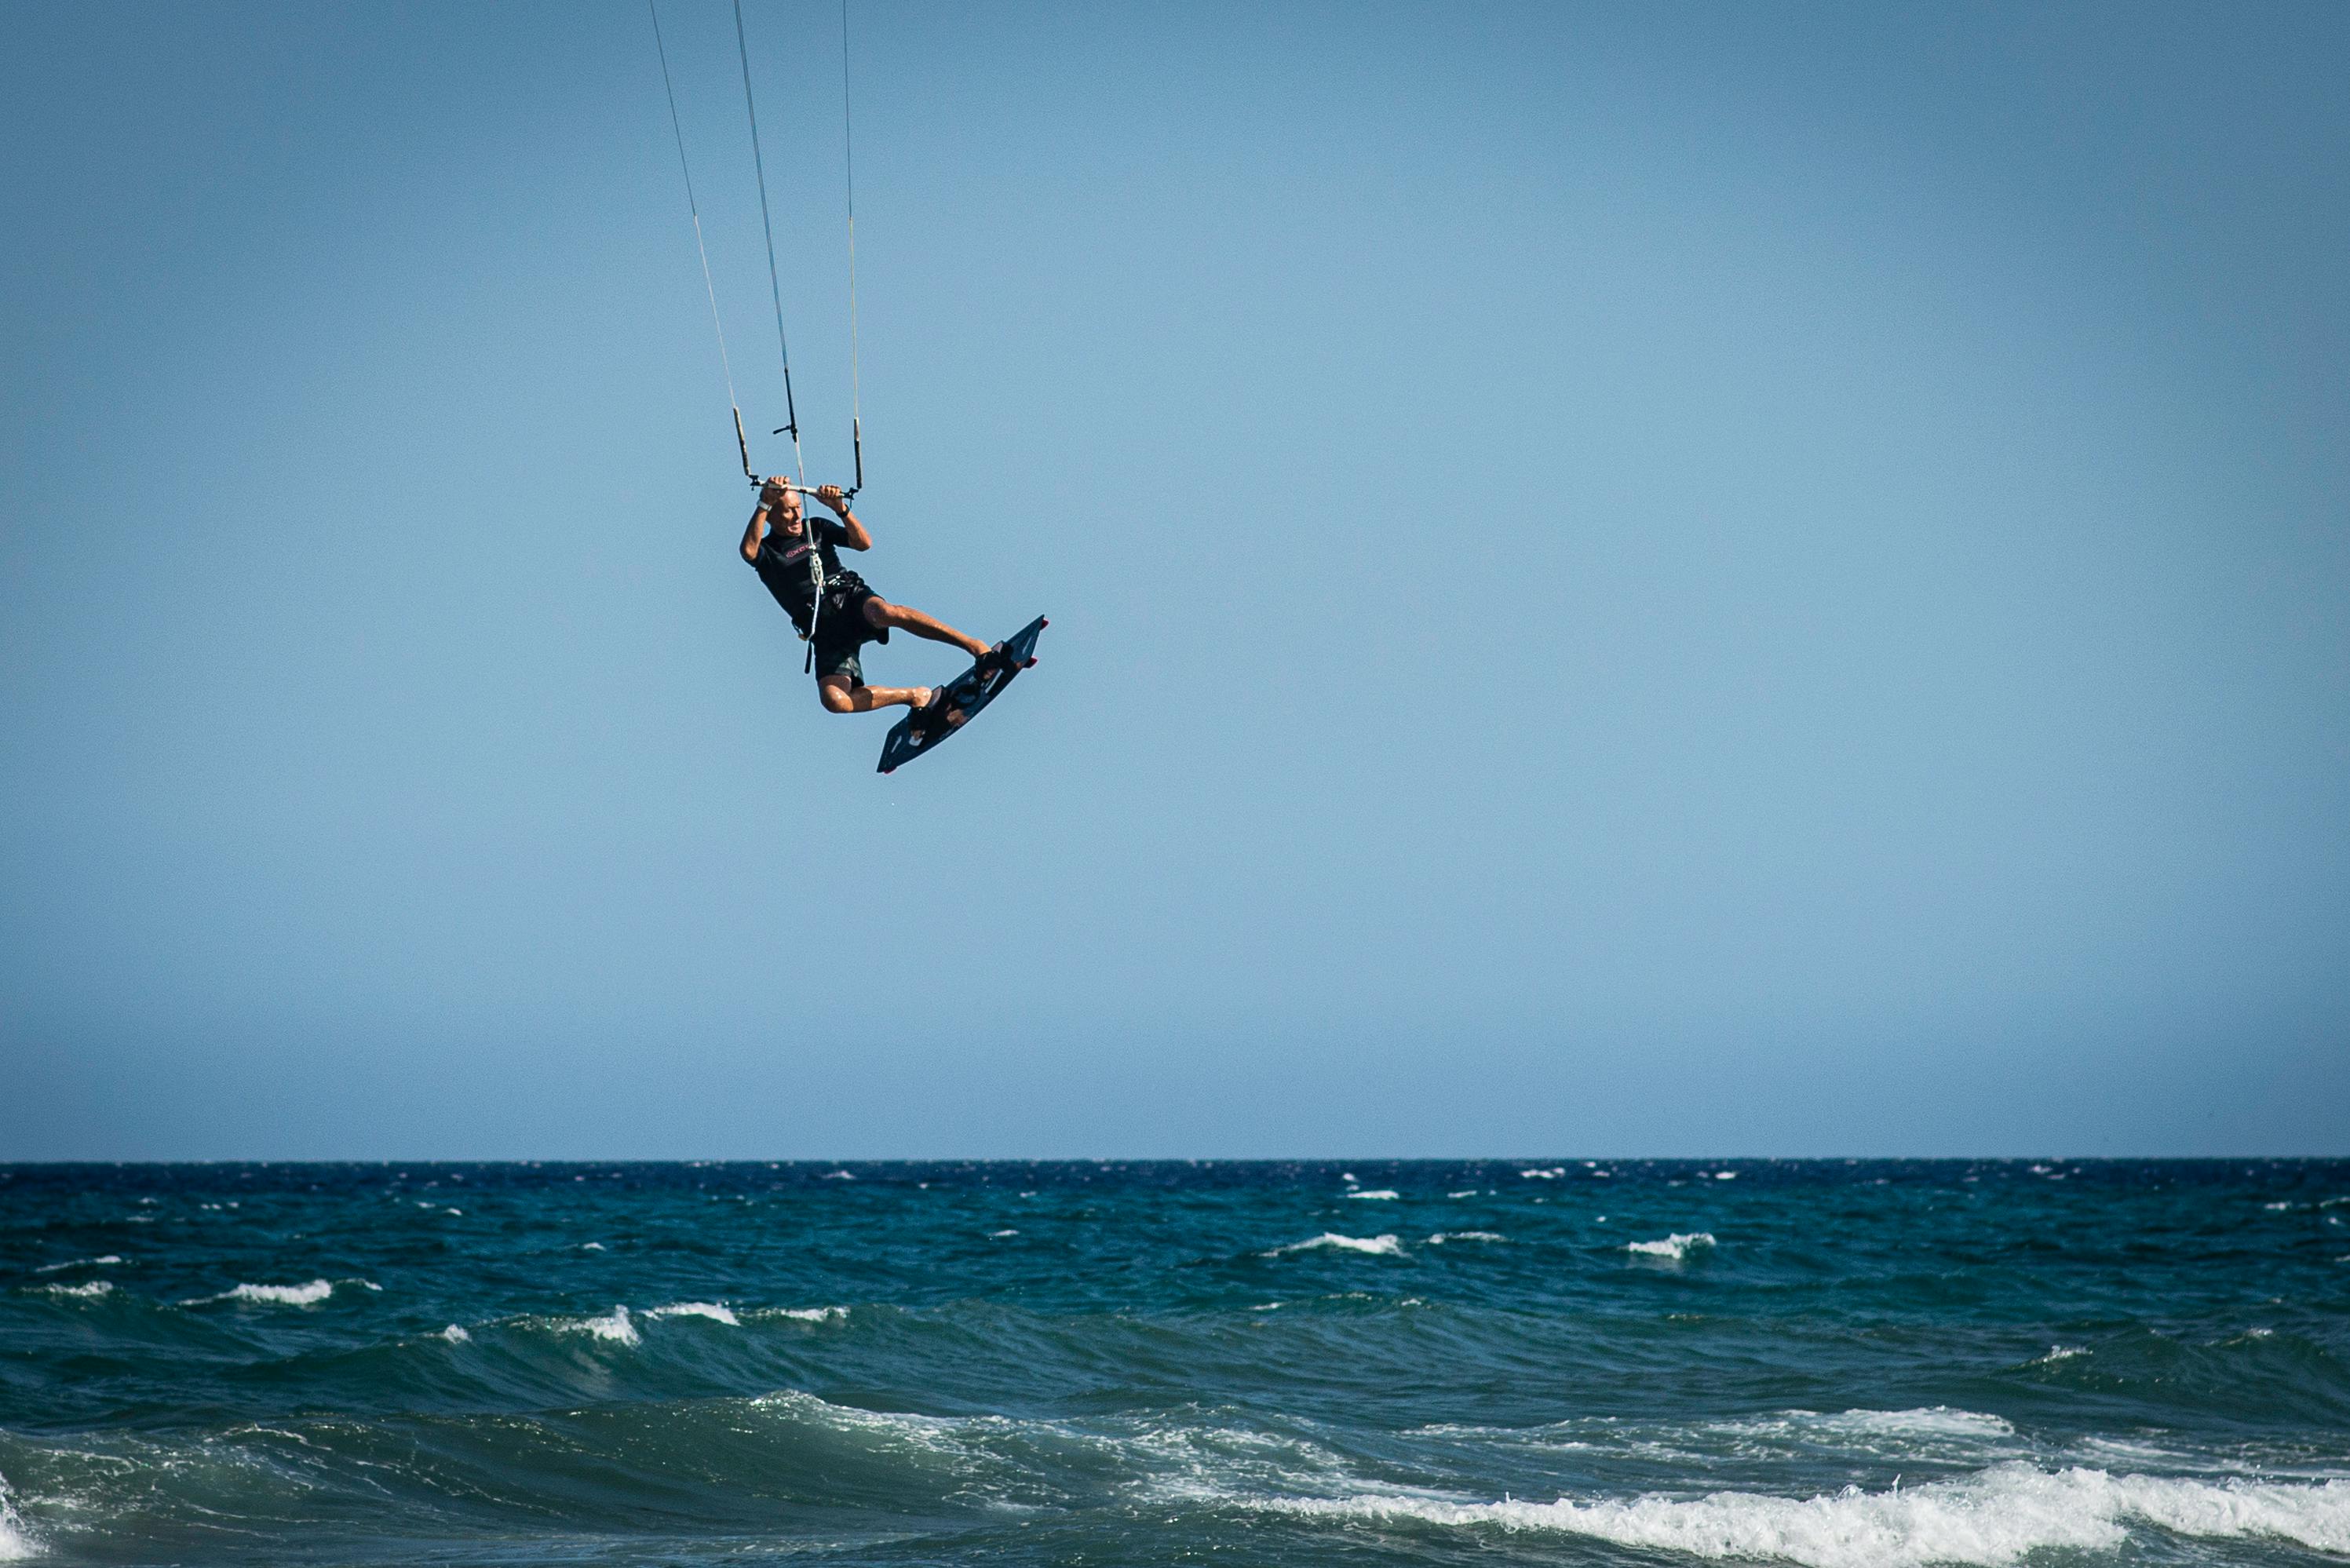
point(613, 1325)
point(79, 1264)
point(1725, 1176)
point(95, 1288)
point(812, 1315)
point(1937, 1435)
point(2057, 1352)
point(591, 1246)
point(1443, 1236)
point(1933, 1434)
point(1464, 1193)
point(713, 1311)
point(1388, 1193)
point(307, 1295)
point(1551, 1173)
point(1993, 1518)
point(999, 1235)
point(1675, 1247)
point(1386, 1246)
point(455, 1335)
point(839, 1176)
point(15, 1541)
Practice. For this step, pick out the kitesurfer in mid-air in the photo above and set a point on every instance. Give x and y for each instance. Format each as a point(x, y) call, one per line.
point(776, 544)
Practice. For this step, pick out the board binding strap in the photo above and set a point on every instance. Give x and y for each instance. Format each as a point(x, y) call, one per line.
point(926, 728)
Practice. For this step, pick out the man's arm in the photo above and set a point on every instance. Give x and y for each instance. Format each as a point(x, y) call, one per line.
point(858, 539)
point(754, 534)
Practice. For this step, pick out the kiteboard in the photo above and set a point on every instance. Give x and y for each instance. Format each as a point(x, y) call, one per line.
point(926, 728)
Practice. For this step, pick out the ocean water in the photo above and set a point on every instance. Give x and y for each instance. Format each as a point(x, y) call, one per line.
point(1834, 1364)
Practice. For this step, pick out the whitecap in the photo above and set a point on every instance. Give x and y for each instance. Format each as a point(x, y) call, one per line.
point(591, 1246)
point(1992, 1518)
point(1388, 1193)
point(1464, 1193)
point(1386, 1246)
point(814, 1314)
point(455, 1335)
point(1927, 1433)
point(613, 1325)
point(999, 1235)
point(839, 1176)
point(1675, 1247)
point(306, 1296)
point(1443, 1236)
point(713, 1311)
point(16, 1541)
point(1725, 1176)
point(1551, 1173)
point(93, 1290)
point(107, 1260)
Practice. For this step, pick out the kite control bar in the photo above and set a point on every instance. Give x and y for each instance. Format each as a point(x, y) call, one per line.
point(856, 444)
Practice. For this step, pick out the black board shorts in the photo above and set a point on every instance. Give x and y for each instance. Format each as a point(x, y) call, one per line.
point(841, 629)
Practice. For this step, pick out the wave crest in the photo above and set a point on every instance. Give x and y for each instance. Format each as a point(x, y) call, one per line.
point(1992, 1518)
point(715, 1312)
point(1383, 1246)
point(305, 1295)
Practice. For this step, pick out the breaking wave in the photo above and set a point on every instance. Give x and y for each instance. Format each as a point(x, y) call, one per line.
point(306, 1296)
point(713, 1311)
point(1992, 1518)
point(1384, 1246)
point(14, 1544)
point(614, 1326)
point(1675, 1246)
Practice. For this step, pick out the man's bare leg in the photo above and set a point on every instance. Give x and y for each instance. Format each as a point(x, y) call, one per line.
point(881, 613)
point(839, 697)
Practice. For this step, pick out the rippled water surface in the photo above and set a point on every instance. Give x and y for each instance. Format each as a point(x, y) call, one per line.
point(1843, 1364)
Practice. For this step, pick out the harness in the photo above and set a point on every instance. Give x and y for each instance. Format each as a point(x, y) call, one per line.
point(816, 581)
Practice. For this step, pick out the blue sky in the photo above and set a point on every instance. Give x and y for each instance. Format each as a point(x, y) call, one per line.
point(1709, 579)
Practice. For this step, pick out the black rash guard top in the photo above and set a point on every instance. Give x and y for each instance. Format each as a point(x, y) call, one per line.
point(783, 564)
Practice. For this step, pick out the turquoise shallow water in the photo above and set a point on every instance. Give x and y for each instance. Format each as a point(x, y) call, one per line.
point(1847, 1365)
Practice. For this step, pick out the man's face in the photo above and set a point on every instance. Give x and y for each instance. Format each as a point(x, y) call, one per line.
point(783, 508)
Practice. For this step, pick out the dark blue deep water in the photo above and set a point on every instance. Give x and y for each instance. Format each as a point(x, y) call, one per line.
point(1843, 1364)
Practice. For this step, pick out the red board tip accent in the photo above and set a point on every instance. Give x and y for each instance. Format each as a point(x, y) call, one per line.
point(1030, 665)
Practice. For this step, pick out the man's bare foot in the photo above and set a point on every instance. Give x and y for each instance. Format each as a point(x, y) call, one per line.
point(923, 697)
